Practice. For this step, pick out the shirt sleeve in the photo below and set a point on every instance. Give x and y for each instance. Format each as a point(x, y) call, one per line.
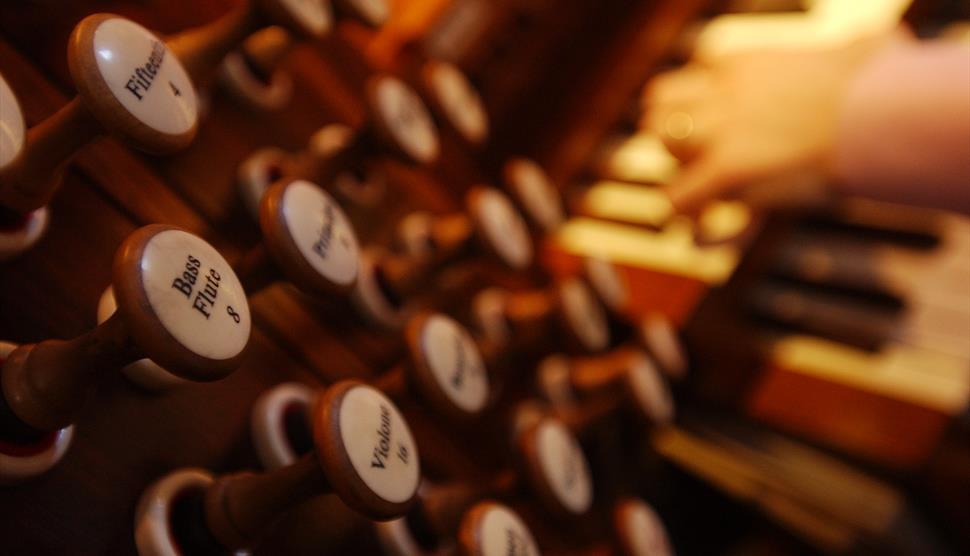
point(904, 129)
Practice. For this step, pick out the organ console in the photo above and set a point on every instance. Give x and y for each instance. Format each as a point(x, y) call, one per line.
point(462, 249)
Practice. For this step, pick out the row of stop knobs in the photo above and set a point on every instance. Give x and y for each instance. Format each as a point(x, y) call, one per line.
point(177, 311)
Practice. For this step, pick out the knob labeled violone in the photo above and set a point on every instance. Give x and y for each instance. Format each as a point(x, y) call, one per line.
point(363, 451)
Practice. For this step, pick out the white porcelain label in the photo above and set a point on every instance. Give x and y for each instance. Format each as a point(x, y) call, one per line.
point(407, 118)
point(195, 294)
point(606, 279)
point(455, 362)
point(379, 444)
point(321, 231)
point(313, 15)
point(502, 533)
point(646, 532)
point(662, 340)
point(585, 316)
point(564, 466)
point(460, 101)
point(12, 129)
point(145, 76)
point(650, 391)
point(536, 193)
point(504, 229)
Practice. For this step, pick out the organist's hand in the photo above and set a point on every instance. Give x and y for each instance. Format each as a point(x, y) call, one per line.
point(760, 126)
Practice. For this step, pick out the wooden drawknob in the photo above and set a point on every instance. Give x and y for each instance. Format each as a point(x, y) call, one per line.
point(658, 335)
point(363, 452)
point(638, 529)
point(179, 304)
point(129, 84)
point(399, 120)
point(372, 13)
point(583, 389)
point(203, 48)
point(307, 239)
point(489, 226)
point(535, 193)
point(363, 186)
point(609, 283)
point(568, 309)
point(555, 468)
point(455, 101)
point(493, 529)
point(19, 231)
point(445, 368)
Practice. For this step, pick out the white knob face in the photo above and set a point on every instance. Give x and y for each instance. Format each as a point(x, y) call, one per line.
point(608, 283)
point(313, 15)
point(536, 193)
point(503, 229)
point(375, 12)
point(455, 362)
point(647, 536)
point(502, 533)
point(584, 315)
point(460, 101)
point(379, 444)
point(650, 391)
point(195, 294)
point(321, 231)
point(564, 466)
point(660, 337)
point(145, 76)
point(406, 117)
point(12, 128)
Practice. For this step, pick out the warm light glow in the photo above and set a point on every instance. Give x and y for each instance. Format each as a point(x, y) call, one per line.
point(637, 204)
point(924, 377)
point(671, 250)
point(639, 158)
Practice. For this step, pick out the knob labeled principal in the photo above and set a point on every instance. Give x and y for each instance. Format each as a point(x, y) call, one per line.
point(309, 237)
